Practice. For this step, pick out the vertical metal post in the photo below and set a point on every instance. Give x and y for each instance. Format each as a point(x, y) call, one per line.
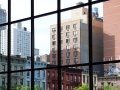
point(9, 46)
point(32, 44)
point(90, 44)
point(59, 43)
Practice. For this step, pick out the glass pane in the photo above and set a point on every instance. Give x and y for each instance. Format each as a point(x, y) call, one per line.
point(21, 45)
point(3, 49)
point(46, 40)
point(40, 6)
point(51, 78)
point(3, 11)
point(71, 3)
point(20, 9)
point(40, 79)
point(74, 36)
point(3, 81)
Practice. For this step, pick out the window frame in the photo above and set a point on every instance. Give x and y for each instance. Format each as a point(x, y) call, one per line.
point(58, 11)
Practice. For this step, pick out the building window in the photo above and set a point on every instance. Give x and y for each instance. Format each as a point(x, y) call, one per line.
point(3, 81)
point(53, 49)
point(67, 47)
point(74, 32)
point(3, 67)
point(38, 73)
point(75, 53)
point(61, 28)
point(71, 88)
point(71, 77)
point(61, 62)
point(48, 74)
point(75, 46)
point(53, 36)
point(67, 54)
point(67, 77)
point(54, 56)
point(61, 41)
point(53, 30)
point(21, 81)
point(67, 87)
point(61, 35)
point(79, 78)
point(67, 33)
point(27, 73)
point(94, 79)
point(67, 61)
point(48, 86)
point(75, 78)
point(54, 62)
point(61, 55)
point(75, 40)
point(62, 86)
point(62, 76)
point(53, 86)
point(88, 79)
point(67, 27)
point(74, 26)
point(15, 81)
point(21, 68)
point(54, 43)
point(67, 40)
point(28, 83)
point(75, 60)
point(83, 78)
point(43, 73)
point(53, 75)
point(61, 48)
point(43, 84)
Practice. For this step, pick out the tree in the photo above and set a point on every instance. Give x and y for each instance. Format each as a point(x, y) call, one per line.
point(21, 87)
point(109, 87)
point(83, 87)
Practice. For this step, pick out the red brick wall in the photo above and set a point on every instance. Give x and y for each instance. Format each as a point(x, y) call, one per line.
point(111, 28)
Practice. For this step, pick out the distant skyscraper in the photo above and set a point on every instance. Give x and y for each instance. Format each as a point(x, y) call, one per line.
point(2, 20)
point(20, 41)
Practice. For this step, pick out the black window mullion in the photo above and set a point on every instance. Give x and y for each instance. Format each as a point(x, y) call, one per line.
point(32, 44)
point(90, 44)
point(9, 46)
point(59, 43)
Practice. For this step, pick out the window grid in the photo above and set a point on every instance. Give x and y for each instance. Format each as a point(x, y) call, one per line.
point(58, 37)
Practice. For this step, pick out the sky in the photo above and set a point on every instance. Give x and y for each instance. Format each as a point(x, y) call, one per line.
point(21, 9)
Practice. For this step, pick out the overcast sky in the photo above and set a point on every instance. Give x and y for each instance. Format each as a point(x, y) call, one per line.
point(21, 9)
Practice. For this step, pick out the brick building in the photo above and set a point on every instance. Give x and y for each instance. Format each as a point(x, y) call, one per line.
point(70, 78)
point(74, 39)
point(111, 28)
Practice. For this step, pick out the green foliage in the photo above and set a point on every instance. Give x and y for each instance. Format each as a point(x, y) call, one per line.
point(83, 87)
point(21, 87)
point(109, 87)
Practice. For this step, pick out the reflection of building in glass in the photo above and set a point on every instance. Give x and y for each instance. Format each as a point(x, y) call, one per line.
point(20, 41)
point(74, 39)
point(2, 20)
point(39, 75)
